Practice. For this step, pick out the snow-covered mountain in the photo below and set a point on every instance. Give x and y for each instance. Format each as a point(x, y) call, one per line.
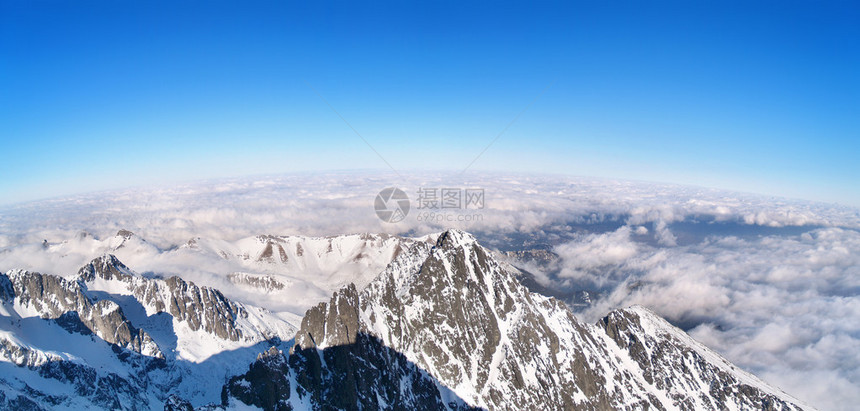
point(287, 274)
point(274, 264)
point(449, 327)
point(440, 324)
point(110, 338)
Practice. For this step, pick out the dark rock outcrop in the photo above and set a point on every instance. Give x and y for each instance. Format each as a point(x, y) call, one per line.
point(664, 355)
point(53, 297)
point(200, 307)
point(453, 316)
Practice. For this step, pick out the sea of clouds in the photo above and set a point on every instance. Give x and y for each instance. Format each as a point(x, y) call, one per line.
point(772, 284)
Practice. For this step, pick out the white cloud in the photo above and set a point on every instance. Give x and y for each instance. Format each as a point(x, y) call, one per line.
point(783, 304)
point(593, 252)
point(780, 306)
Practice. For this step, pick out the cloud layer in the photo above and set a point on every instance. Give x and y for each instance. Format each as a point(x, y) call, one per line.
point(343, 202)
point(772, 284)
point(784, 307)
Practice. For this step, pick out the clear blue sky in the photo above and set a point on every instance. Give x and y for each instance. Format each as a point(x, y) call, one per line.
point(754, 96)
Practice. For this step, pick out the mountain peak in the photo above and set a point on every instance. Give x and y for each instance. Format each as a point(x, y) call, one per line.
point(453, 238)
point(124, 234)
point(106, 267)
point(462, 318)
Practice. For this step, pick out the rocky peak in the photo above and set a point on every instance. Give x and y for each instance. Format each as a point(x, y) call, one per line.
point(125, 234)
point(81, 339)
point(199, 307)
point(460, 315)
point(331, 324)
point(106, 267)
point(452, 310)
point(453, 238)
point(53, 297)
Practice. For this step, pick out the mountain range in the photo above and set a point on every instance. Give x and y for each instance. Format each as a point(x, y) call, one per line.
point(438, 322)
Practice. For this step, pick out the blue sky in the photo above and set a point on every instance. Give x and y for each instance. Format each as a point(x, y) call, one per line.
point(753, 96)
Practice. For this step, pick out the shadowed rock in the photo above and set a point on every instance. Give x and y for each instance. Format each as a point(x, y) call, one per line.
point(53, 297)
point(455, 313)
point(200, 307)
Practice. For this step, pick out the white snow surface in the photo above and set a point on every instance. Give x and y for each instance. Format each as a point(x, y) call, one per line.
point(196, 364)
point(291, 273)
point(306, 269)
point(424, 332)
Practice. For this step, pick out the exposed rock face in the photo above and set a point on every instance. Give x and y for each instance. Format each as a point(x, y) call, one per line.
point(20, 402)
point(7, 292)
point(335, 323)
point(106, 267)
point(266, 384)
point(693, 376)
point(444, 326)
point(263, 283)
point(53, 297)
point(362, 374)
point(454, 312)
point(200, 307)
point(175, 403)
point(66, 303)
point(274, 247)
point(333, 261)
point(106, 391)
point(83, 344)
point(459, 315)
point(125, 234)
point(23, 356)
point(102, 391)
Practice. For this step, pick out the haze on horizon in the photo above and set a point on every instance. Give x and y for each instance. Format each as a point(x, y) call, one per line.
point(759, 97)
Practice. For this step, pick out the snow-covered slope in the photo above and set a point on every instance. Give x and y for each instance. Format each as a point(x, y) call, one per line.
point(449, 325)
point(440, 325)
point(338, 260)
point(286, 274)
point(110, 338)
point(204, 322)
point(303, 270)
point(691, 375)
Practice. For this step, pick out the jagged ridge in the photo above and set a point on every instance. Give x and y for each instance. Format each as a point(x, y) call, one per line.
point(40, 312)
point(461, 317)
